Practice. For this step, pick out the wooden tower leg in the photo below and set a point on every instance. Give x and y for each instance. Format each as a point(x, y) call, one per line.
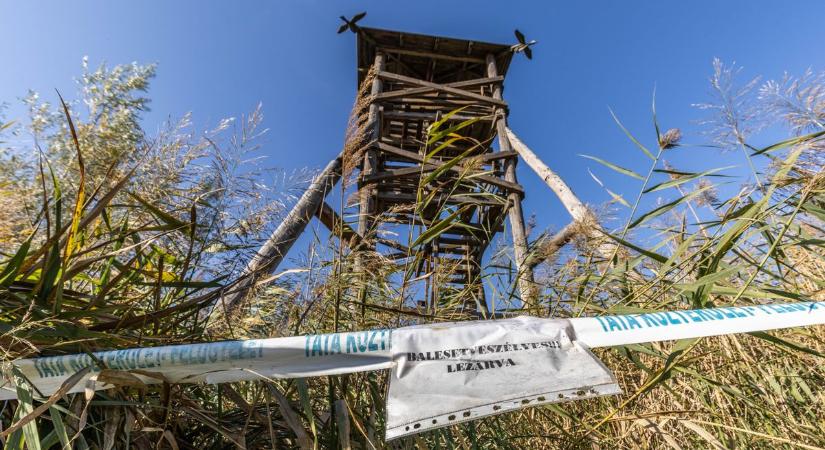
point(271, 254)
point(367, 197)
point(367, 194)
point(527, 287)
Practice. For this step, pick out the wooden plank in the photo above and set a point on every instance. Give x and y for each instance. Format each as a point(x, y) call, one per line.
point(433, 55)
point(484, 158)
point(456, 250)
point(470, 83)
point(470, 240)
point(442, 88)
point(436, 103)
point(403, 197)
point(423, 90)
point(430, 116)
point(397, 173)
point(327, 216)
point(270, 255)
point(393, 244)
point(504, 184)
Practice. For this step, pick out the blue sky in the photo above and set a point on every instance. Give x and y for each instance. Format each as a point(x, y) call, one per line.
point(219, 59)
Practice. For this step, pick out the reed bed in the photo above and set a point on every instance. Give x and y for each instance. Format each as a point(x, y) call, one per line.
point(113, 238)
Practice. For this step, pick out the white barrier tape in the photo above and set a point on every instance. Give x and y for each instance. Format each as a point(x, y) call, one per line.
point(340, 353)
point(219, 362)
point(607, 331)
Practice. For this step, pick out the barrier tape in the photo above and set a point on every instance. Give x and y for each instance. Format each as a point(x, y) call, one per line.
point(341, 353)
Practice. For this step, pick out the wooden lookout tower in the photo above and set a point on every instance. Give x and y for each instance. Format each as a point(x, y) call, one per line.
point(434, 167)
point(413, 176)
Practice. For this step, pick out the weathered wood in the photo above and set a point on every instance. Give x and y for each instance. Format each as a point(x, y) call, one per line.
point(578, 210)
point(398, 173)
point(327, 216)
point(571, 202)
point(520, 250)
point(342, 424)
point(429, 116)
point(443, 88)
point(418, 90)
point(437, 103)
point(367, 206)
point(470, 240)
point(393, 244)
point(394, 173)
point(484, 158)
point(412, 156)
point(423, 90)
point(391, 173)
point(550, 246)
point(433, 55)
point(401, 197)
point(270, 255)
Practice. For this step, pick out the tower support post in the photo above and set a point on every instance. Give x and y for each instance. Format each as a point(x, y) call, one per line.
point(366, 193)
point(527, 286)
point(367, 197)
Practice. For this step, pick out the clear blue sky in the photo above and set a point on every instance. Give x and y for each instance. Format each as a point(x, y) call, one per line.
point(220, 59)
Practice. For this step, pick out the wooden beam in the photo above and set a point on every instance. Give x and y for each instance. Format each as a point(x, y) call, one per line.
point(520, 250)
point(405, 172)
point(484, 157)
point(549, 247)
point(327, 216)
point(408, 172)
point(451, 199)
point(424, 90)
point(370, 164)
point(443, 88)
point(393, 244)
point(434, 102)
point(395, 173)
point(432, 165)
point(430, 116)
point(433, 55)
point(274, 250)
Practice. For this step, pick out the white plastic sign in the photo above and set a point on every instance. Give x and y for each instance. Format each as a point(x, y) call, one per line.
point(454, 372)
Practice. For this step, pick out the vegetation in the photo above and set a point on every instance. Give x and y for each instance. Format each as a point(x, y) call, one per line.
point(114, 238)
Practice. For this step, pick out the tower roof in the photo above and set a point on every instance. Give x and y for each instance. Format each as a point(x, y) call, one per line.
point(432, 58)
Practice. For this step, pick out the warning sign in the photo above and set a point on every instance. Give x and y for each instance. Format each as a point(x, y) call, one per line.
point(450, 373)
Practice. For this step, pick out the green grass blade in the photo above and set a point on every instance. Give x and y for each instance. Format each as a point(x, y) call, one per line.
point(789, 143)
point(632, 138)
point(59, 428)
point(13, 266)
point(610, 165)
point(684, 179)
point(667, 207)
point(26, 402)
